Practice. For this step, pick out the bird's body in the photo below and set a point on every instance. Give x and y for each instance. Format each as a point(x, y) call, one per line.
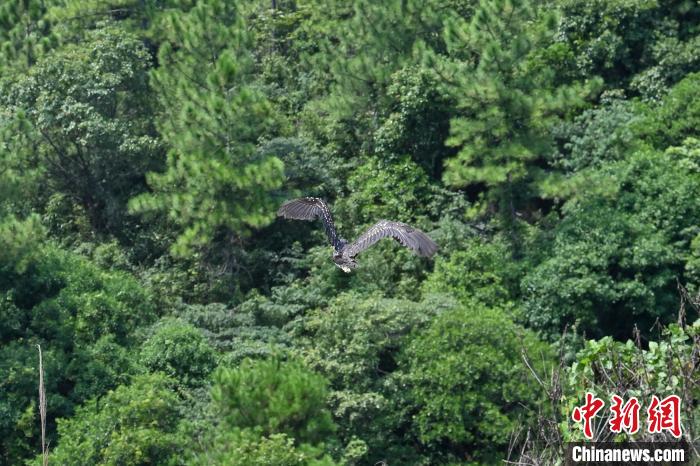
point(310, 208)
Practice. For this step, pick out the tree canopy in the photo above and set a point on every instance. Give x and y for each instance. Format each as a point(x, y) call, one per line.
point(551, 150)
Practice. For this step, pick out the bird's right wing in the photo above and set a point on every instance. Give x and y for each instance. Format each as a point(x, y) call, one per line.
point(311, 208)
point(408, 236)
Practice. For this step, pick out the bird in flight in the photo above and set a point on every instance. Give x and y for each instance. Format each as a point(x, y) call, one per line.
point(311, 208)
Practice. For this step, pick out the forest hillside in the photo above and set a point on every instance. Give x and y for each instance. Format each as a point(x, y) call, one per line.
point(551, 149)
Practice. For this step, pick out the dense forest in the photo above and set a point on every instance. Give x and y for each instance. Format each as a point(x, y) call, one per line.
point(551, 149)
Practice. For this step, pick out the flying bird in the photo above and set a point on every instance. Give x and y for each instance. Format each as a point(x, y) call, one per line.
point(311, 208)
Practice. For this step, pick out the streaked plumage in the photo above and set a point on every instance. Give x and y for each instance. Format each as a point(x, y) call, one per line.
point(311, 208)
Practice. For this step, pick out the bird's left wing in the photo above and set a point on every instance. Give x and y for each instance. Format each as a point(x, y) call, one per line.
point(408, 236)
point(311, 208)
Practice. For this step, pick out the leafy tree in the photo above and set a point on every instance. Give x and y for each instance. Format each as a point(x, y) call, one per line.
point(419, 122)
point(133, 425)
point(607, 133)
point(87, 109)
point(82, 316)
point(356, 342)
point(482, 272)
point(355, 50)
point(269, 412)
point(96, 369)
point(178, 350)
point(385, 190)
point(614, 39)
point(616, 253)
point(598, 135)
point(675, 118)
point(212, 117)
point(18, 402)
point(274, 397)
point(248, 448)
point(239, 333)
point(468, 386)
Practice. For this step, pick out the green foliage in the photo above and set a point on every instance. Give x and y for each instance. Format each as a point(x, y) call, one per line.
point(467, 382)
point(19, 245)
point(240, 333)
point(550, 149)
point(247, 448)
point(607, 367)
point(386, 33)
point(274, 397)
point(603, 134)
point(354, 336)
point(178, 350)
point(214, 177)
point(505, 105)
point(676, 117)
point(385, 190)
point(82, 316)
point(617, 253)
point(393, 190)
point(481, 272)
point(88, 116)
point(133, 425)
point(25, 32)
point(355, 341)
point(18, 403)
point(65, 297)
point(20, 177)
point(95, 369)
point(418, 123)
point(613, 39)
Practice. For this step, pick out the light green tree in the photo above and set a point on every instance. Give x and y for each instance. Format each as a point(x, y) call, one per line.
point(468, 386)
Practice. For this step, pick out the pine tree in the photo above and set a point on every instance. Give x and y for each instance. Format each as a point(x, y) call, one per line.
point(506, 101)
point(212, 117)
point(25, 32)
point(359, 46)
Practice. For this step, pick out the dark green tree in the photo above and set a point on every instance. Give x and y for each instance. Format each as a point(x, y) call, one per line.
point(211, 120)
point(506, 102)
point(468, 386)
point(270, 412)
point(133, 425)
point(83, 317)
point(614, 257)
point(274, 397)
point(356, 342)
point(25, 32)
point(643, 47)
point(87, 112)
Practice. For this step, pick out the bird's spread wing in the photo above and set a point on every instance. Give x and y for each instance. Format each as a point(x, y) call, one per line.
point(311, 208)
point(408, 236)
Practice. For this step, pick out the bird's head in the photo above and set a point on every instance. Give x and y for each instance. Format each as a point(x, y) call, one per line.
point(343, 261)
point(347, 266)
